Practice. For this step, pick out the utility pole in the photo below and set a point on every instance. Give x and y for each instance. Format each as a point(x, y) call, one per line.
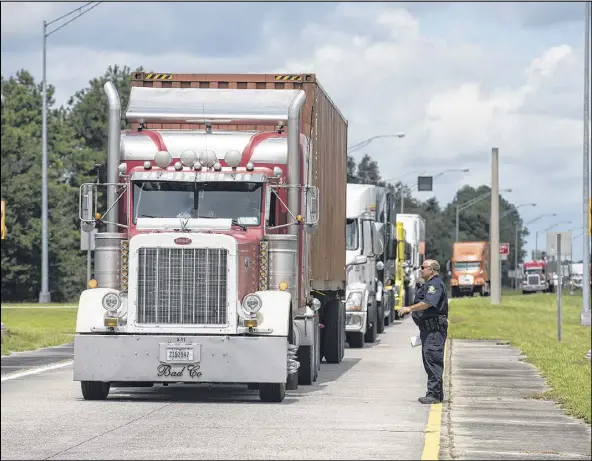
point(44, 294)
point(456, 233)
point(494, 229)
point(585, 314)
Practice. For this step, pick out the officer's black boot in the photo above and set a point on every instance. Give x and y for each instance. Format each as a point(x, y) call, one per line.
point(428, 399)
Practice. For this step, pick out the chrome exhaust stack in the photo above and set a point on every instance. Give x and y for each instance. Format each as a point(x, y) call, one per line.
point(113, 154)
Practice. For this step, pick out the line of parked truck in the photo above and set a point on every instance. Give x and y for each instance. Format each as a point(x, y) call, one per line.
point(228, 247)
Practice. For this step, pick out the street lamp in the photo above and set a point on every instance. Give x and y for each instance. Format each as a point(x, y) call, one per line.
point(45, 295)
point(507, 212)
point(463, 206)
point(453, 170)
point(361, 144)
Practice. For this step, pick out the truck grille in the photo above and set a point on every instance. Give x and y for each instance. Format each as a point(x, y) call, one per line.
point(533, 280)
point(182, 286)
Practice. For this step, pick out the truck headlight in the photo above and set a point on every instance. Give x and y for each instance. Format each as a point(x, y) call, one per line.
point(252, 303)
point(354, 301)
point(111, 302)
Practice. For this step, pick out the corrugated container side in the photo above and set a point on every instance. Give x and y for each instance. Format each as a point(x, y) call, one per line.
point(322, 122)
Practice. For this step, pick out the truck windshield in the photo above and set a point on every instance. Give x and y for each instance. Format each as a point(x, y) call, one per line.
point(220, 199)
point(351, 234)
point(534, 270)
point(472, 266)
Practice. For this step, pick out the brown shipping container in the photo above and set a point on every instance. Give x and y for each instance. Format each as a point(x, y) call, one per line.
point(323, 123)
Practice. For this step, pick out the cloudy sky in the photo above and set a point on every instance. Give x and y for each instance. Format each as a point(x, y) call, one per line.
point(457, 78)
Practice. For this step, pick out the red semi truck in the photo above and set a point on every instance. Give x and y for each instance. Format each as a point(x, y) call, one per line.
point(537, 277)
point(221, 252)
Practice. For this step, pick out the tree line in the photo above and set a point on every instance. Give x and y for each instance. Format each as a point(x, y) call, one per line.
point(77, 143)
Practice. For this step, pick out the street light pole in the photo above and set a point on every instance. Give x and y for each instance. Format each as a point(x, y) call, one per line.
point(516, 258)
point(585, 313)
point(44, 294)
point(361, 144)
point(495, 264)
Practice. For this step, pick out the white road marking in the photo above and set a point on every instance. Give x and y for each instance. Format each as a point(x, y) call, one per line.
point(34, 371)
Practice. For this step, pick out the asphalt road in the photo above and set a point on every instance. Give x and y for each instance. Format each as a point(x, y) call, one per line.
point(364, 408)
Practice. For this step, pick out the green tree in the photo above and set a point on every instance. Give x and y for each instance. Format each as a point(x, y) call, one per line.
point(351, 170)
point(367, 171)
point(21, 188)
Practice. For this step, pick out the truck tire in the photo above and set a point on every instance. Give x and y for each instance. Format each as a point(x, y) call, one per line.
point(318, 352)
point(95, 390)
point(391, 315)
point(380, 317)
point(371, 332)
point(355, 340)
point(272, 392)
point(334, 332)
point(293, 379)
point(306, 371)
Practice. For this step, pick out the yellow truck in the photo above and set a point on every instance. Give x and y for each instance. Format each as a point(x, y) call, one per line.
point(400, 258)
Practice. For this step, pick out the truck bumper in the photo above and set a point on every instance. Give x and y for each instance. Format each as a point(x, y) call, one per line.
point(466, 288)
point(143, 358)
point(355, 321)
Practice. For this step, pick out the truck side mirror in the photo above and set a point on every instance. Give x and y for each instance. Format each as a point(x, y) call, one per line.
point(378, 242)
point(312, 208)
point(448, 266)
point(361, 259)
point(87, 207)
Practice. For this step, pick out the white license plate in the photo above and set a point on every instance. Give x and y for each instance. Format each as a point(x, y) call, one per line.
point(179, 354)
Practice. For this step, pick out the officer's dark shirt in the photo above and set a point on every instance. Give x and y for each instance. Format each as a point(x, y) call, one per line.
point(433, 292)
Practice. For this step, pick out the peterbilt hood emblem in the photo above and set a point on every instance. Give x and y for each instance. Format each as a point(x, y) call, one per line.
point(183, 240)
point(184, 218)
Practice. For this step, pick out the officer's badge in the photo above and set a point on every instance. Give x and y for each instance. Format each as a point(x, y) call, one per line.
point(431, 289)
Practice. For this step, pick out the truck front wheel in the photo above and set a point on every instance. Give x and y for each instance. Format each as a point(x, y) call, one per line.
point(272, 392)
point(95, 390)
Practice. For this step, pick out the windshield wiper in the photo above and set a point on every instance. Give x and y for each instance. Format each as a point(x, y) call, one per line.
point(233, 220)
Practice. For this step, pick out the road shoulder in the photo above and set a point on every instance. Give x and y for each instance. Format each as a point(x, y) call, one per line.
point(488, 413)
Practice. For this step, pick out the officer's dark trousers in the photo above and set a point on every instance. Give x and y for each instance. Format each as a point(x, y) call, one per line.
point(432, 351)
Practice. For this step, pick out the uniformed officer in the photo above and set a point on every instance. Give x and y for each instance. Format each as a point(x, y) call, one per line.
point(430, 314)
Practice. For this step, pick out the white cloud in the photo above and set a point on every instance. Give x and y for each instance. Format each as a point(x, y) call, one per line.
point(388, 71)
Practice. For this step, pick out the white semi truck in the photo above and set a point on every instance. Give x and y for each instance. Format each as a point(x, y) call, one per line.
point(364, 246)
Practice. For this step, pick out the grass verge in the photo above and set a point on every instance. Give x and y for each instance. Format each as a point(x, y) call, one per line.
point(32, 328)
point(529, 323)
